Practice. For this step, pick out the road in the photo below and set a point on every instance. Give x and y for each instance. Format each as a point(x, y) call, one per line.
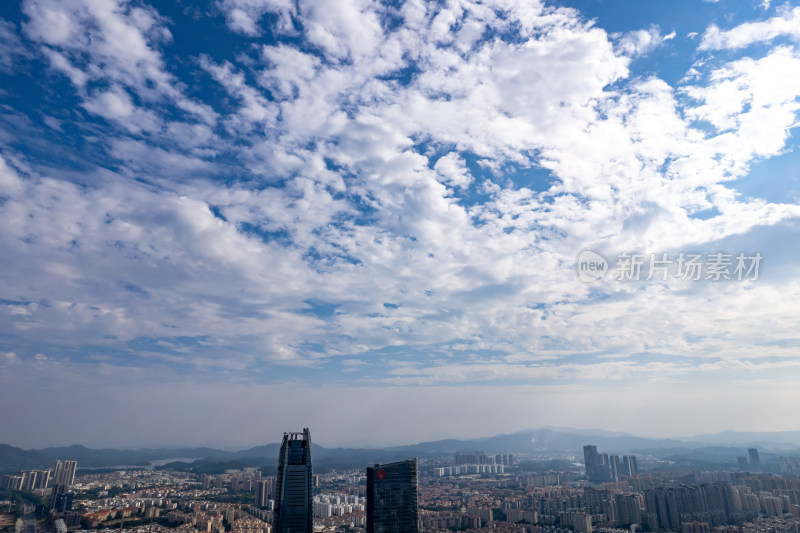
point(28, 518)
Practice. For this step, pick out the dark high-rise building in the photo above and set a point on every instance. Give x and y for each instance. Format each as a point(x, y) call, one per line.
point(294, 512)
point(603, 468)
point(752, 453)
point(392, 498)
point(56, 496)
point(63, 502)
point(592, 461)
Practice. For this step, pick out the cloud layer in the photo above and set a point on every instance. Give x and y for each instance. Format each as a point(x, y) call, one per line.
point(389, 196)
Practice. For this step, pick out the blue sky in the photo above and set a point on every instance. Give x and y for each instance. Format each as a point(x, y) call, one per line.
point(228, 219)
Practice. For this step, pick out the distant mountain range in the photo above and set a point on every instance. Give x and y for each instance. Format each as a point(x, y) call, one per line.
point(545, 440)
point(776, 440)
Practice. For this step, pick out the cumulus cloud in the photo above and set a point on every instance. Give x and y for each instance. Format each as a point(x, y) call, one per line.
point(109, 42)
point(115, 35)
point(786, 23)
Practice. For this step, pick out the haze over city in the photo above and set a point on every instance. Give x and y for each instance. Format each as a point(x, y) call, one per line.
point(396, 222)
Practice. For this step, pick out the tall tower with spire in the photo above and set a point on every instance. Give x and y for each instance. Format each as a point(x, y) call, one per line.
point(294, 512)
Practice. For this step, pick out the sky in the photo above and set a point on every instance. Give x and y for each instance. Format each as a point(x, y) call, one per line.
point(393, 222)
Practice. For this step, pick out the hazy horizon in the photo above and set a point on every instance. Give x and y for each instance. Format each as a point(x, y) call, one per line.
point(275, 437)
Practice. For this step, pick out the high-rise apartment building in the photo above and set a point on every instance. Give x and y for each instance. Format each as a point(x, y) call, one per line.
point(262, 493)
point(582, 523)
point(43, 479)
point(64, 473)
point(293, 507)
point(591, 459)
point(614, 470)
point(629, 465)
point(392, 498)
point(752, 453)
point(63, 478)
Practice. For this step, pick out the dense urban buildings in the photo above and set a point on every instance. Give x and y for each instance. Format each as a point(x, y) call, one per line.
point(293, 498)
point(392, 505)
point(536, 493)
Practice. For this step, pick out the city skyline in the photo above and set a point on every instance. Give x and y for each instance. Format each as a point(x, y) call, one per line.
point(446, 493)
point(406, 217)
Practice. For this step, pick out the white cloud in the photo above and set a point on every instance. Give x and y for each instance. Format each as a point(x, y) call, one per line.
point(10, 183)
point(787, 23)
point(116, 35)
point(243, 16)
point(12, 50)
point(289, 70)
point(641, 42)
point(255, 108)
point(757, 99)
point(113, 42)
point(348, 28)
point(116, 104)
point(453, 170)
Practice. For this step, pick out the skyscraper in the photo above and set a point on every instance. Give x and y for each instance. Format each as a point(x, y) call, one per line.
point(591, 459)
point(294, 512)
point(753, 454)
point(392, 498)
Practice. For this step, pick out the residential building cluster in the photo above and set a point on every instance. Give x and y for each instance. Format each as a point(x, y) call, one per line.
point(481, 458)
point(789, 465)
point(602, 467)
point(326, 505)
point(62, 474)
point(462, 470)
